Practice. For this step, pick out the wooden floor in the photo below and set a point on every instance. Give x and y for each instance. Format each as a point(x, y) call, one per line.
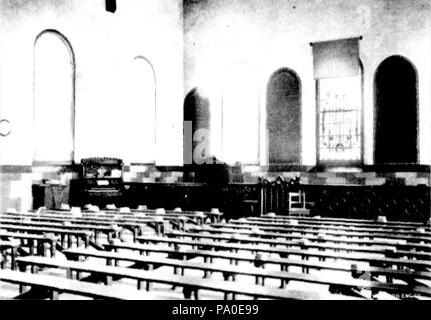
point(174, 256)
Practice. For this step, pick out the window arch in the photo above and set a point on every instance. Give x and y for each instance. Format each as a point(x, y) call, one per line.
point(141, 113)
point(283, 99)
point(240, 115)
point(396, 102)
point(54, 98)
point(196, 117)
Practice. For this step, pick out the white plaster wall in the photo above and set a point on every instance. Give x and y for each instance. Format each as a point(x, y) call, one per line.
point(270, 34)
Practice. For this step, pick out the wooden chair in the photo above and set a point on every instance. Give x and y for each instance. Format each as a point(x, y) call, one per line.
point(298, 205)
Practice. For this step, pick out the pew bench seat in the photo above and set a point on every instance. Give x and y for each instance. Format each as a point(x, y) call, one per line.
point(35, 242)
point(284, 263)
point(4, 247)
point(259, 274)
point(190, 285)
point(374, 260)
point(388, 250)
point(56, 285)
point(402, 245)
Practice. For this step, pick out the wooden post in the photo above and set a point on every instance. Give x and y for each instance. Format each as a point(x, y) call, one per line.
point(54, 294)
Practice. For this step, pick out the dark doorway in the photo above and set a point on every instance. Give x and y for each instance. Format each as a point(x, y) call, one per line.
point(196, 114)
point(396, 125)
point(284, 117)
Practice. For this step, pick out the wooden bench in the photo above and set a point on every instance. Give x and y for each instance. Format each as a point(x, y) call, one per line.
point(228, 272)
point(192, 283)
point(283, 263)
point(35, 242)
point(243, 221)
point(387, 250)
point(351, 234)
point(83, 235)
point(135, 225)
point(137, 215)
point(340, 222)
point(13, 247)
point(345, 221)
point(109, 231)
point(401, 245)
point(215, 217)
point(131, 226)
point(57, 285)
point(375, 261)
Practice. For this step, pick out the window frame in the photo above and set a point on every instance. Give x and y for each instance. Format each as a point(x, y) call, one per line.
point(344, 163)
point(273, 75)
point(72, 57)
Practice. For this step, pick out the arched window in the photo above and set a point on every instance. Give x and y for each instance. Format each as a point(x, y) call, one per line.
point(395, 91)
point(283, 109)
point(240, 115)
point(54, 98)
point(140, 113)
point(196, 127)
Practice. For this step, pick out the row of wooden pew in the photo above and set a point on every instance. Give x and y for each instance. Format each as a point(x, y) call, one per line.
point(265, 248)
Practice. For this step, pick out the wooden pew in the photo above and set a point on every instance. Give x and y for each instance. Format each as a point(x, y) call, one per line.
point(109, 231)
point(322, 237)
point(132, 216)
point(35, 242)
point(300, 226)
point(336, 223)
point(190, 284)
point(283, 275)
point(215, 217)
point(13, 247)
point(346, 221)
point(229, 272)
point(370, 235)
point(57, 285)
point(135, 225)
point(283, 263)
point(83, 235)
point(373, 260)
point(389, 249)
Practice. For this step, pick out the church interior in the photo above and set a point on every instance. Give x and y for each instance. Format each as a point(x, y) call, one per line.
point(215, 149)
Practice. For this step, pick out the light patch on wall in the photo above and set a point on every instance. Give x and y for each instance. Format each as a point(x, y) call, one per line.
point(16, 189)
point(240, 114)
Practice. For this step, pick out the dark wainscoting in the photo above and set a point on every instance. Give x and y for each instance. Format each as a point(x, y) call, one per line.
point(235, 199)
point(404, 203)
point(396, 202)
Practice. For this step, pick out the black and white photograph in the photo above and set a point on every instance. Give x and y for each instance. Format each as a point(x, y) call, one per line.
point(215, 154)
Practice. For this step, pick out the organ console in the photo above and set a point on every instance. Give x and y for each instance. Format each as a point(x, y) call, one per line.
point(100, 182)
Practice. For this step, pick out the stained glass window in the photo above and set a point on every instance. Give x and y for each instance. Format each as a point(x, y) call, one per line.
point(339, 119)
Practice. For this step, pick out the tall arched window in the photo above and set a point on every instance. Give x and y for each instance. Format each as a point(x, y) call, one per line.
point(395, 90)
point(240, 115)
point(54, 98)
point(283, 109)
point(140, 112)
point(197, 120)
